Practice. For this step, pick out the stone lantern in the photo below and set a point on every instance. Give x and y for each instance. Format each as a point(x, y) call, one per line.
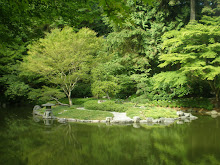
point(48, 114)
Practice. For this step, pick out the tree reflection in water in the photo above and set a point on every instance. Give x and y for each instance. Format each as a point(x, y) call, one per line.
point(27, 142)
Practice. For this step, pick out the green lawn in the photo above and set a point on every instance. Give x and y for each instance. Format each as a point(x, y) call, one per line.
point(72, 112)
point(154, 112)
point(101, 114)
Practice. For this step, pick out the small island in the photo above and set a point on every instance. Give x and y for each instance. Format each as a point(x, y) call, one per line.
point(91, 110)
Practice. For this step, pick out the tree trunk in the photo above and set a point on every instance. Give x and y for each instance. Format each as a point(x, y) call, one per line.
point(70, 100)
point(192, 10)
point(59, 101)
point(107, 95)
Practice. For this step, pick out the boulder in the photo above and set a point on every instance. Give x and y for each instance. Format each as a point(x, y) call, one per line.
point(179, 113)
point(72, 120)
point(187, 114)
point(36, 107)
point(182, 117)
point(108, 119)
point(156, 120)
point(62, 120)
point(101, 101)
point(102, 121)
point(149, 119)
point(136, 119)
point(214, 112)
point(95, 121)
point(162, 119)
point(193, 117)
point(208, 113)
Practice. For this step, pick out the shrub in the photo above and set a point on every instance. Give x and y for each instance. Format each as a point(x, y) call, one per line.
point(105, 106)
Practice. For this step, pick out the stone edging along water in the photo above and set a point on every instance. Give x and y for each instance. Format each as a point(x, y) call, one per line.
point(183, 117)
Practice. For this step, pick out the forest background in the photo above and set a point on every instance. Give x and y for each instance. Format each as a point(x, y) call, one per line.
point(142, 50)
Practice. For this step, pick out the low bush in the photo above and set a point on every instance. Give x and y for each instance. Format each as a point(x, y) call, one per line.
point(154, 112)
point(105, 106)
point(80, 101)
point(178, 103)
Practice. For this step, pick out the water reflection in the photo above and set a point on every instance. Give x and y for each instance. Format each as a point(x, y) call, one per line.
point(27, 142)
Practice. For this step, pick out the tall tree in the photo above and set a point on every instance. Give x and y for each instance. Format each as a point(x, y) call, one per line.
point(195, 52)
point(192, 10)
point(63, 57)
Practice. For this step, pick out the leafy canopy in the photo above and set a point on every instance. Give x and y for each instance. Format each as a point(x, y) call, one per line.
point(63, 57)
point(195, 52)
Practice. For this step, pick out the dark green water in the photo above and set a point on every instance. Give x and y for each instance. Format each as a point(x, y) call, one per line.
point(24, 141)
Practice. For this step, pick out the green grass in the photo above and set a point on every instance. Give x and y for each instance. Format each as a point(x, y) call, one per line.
point(72, 112)
point(154, 112)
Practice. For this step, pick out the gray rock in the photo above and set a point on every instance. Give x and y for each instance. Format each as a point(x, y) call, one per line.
point(114, 121)
point(179, 113)
point(86, 121)
point(101, 101)
point(72, 120)
point(162, 119)
point(62, 120)
point(182, 117)
point(95, 121)
point(36, 107)
point(108, 119)
point(149, 119)
point(193, 117)
point(214, 112)
point(208, 113)
point(187, 114)
point(156, 120)
point(136, 119)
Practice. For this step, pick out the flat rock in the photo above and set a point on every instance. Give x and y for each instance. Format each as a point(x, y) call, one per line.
point(214, 112)
point(180, 113)
point(72, 120)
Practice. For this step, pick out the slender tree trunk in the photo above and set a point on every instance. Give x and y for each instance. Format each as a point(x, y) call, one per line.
point(70, 100)
point(107, 95)
point(192, 10)
point(59, 101)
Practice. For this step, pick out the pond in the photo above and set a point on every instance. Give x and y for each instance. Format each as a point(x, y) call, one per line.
point(24, 141)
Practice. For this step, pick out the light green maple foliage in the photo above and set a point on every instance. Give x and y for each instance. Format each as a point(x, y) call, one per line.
point(63, 57)
point(195, 52)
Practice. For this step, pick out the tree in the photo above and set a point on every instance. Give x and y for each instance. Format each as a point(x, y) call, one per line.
point(192, 10)
point(195, 52)
point(63, 57)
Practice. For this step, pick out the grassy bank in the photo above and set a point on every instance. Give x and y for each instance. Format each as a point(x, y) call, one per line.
point(72, 112)
point(154, 112)
point(99, 111)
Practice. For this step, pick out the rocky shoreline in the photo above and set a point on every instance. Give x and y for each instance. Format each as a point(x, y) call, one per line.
point(182, 118)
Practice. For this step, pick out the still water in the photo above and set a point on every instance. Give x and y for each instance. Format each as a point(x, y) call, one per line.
point(24, 141)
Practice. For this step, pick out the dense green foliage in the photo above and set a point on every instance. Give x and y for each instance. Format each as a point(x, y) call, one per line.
point(105, 106)
point(151, 112)
point(143, 48)
point(63, 57)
